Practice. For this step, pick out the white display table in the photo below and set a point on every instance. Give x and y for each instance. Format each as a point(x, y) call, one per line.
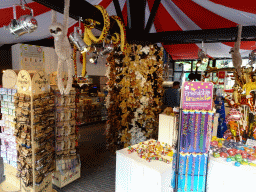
point(136, 174)
point(225, 176)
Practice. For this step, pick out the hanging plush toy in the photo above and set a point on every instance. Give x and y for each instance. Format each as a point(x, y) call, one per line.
point(62, 48)
point(236, 56)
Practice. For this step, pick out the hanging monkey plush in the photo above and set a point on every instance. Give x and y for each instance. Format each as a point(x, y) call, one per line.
point(236, 56)
point(62, 48)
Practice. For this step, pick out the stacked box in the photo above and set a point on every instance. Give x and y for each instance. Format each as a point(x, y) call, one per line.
point(8, 140)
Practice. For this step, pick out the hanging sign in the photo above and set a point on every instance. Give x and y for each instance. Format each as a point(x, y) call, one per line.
point(197, 95)
point(221, 74)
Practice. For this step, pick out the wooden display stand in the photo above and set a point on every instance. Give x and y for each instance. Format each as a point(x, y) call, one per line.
point(34, 83)
point(66, 138)
point(168, 131)
point(11, 183)
point(9, 79)
point(63, 179)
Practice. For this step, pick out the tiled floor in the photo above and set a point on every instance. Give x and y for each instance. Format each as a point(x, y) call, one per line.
point(98, 165)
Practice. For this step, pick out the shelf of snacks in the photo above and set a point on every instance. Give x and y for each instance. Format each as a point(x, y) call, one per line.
point(34, 131)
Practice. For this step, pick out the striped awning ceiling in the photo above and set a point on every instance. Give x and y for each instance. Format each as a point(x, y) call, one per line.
point(172, 15)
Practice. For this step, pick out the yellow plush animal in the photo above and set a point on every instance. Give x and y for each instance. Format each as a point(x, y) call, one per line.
point(248, 87)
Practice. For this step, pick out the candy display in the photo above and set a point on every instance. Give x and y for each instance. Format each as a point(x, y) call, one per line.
point(233, 151)
point(153, 150)
point(8, 140)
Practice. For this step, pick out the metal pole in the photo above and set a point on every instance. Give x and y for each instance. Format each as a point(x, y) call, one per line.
point(207, 171)
point(178, 153)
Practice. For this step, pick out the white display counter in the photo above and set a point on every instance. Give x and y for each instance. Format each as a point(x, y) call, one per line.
point(225, 176)
point(136, 174)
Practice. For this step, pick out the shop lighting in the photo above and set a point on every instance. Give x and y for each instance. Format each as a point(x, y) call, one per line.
point(107, 48)
point(94, 59)
point(76, 38)
point(25, 24)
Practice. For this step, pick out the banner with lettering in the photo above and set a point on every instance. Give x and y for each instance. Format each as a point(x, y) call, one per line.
point(197, 95)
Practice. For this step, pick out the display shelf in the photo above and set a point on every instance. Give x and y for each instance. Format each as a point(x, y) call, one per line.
point(8, 140)
point(63, 178)
point(66, 133)
point(34, 131)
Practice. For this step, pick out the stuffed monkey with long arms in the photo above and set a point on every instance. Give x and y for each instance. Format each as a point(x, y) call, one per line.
point(62, 48)
point(236, 56)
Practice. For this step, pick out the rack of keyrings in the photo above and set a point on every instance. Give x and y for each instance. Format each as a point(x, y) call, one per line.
point(194, 144)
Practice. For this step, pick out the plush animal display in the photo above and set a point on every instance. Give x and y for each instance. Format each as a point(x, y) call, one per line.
point(62, 48)
point(236, 56)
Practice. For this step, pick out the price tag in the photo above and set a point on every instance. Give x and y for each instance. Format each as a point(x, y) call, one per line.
point(251, 143)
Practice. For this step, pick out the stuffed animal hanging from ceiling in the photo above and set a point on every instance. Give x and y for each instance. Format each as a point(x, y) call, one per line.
point(62, 48)
point(236, 56)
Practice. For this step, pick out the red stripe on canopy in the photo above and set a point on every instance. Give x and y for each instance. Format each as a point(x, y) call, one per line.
point(245, 5)
point(124, 13)
point(247, 45)
point(202, 17)
point(163, 20)
point(182, 51)
point(7, 13)
point(105, 3)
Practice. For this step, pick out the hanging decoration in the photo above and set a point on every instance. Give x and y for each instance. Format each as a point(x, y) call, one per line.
point(236, 56)
point(135, 91)
point(122, 32)
point(62, 48)
point(105, 29)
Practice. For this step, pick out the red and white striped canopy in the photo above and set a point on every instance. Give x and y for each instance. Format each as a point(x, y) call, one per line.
point(172, 15)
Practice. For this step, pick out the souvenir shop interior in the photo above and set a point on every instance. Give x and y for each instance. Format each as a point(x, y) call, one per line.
point(83, 96)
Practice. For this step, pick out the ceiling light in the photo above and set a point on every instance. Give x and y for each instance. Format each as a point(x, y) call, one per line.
point(94, 59)
point(76, 38)
point(107, 48)
point(25, 24)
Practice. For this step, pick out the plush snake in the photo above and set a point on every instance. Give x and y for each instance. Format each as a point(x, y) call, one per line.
point(62, 48)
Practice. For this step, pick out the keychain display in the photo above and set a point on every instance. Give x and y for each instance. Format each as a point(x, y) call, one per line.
point(65, 129)
point(41, 118)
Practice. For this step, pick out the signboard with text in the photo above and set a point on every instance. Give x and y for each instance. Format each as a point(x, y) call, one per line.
point(197, 95)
